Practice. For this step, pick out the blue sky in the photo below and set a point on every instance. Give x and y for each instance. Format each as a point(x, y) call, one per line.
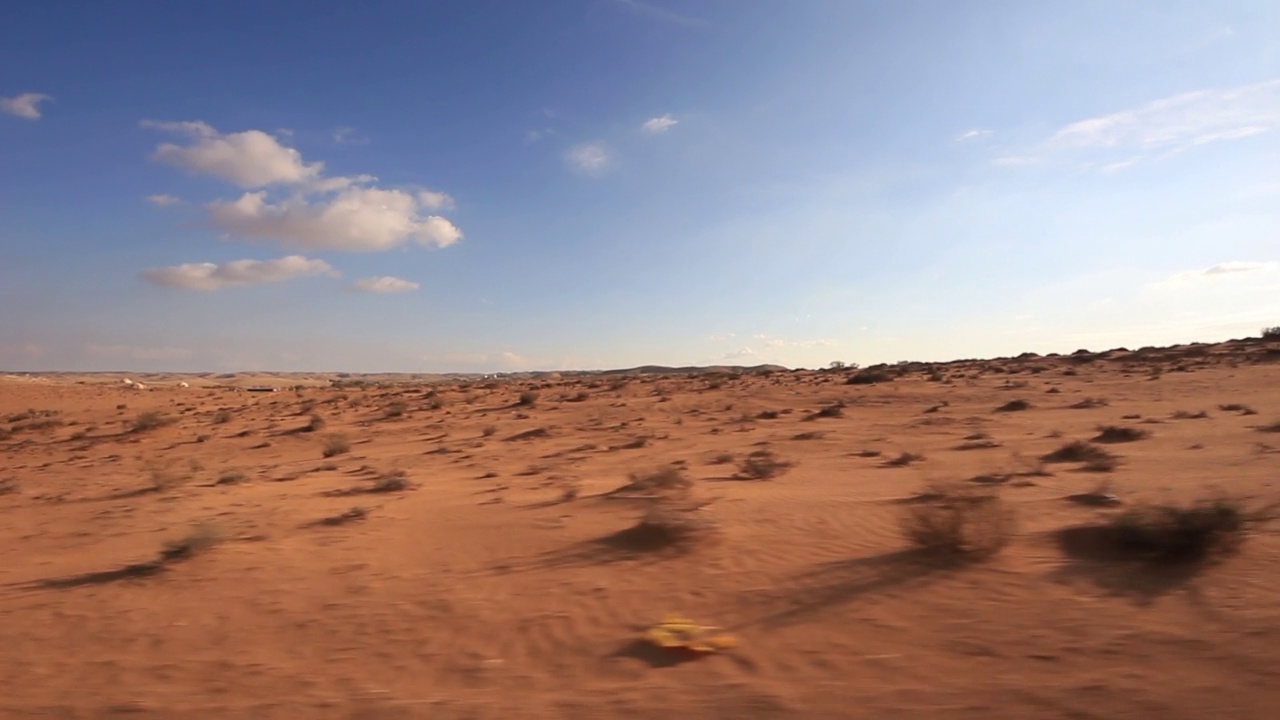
point(474, 185)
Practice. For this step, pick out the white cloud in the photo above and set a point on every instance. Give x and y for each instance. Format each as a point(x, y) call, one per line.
point(211, 276)
point(26, 105)
point(433, 200)
point(1165, 127)
point(659, 124)
point(331, 213)
point(591, 157)
point(163, 200)
point(745, 352)
point(357, 219)
point(973, 134)
point(250, 159)
point(384, 284)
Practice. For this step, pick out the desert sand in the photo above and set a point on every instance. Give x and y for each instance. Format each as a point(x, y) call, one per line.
point(468, 557)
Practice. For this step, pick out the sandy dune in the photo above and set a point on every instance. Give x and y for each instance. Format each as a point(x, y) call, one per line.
point(483, 590)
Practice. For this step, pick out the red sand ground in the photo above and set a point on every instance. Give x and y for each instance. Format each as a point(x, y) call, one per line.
point(481, 592)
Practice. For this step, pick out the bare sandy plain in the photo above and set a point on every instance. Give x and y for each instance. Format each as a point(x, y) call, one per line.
point(468, 557)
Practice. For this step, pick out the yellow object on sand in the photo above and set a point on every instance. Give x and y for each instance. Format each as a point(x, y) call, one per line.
point(678, 633)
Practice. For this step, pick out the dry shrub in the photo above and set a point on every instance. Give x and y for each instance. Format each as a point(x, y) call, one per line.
point(668, 523)
point(1119, 434)
point(661, 481)
point(394, 481)
point(762, 465)
point(202, 537)
point(1014, 406)
point(1170, 532)
point(528, 398)
point(489, 430)
point(869, 377)
point(834, 410)
point(395, 410)
point(1188, 415)
point(1076, 451)
point(336, 444)
point(1273, 427)
point(1237, 407)
point(958, 521)
point(1090, 403)
point(903, 460)
point(150, 420)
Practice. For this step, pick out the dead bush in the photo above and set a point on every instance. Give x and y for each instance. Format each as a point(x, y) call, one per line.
point(150, 420)
point(1076, 451)
point(1014, 406)
point(1119, 434)
point(1237, 408)
point(903, 460)
point(958, 521)
point(762, 465)
point(1169, 532)
point(336, 444)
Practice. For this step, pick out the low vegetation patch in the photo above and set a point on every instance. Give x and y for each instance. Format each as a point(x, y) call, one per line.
point(1119, 434)
point(958, 521)
point(903, 460)
point(1237, 408)
point(150, 420)
point(336, 444)
point(1014, 406)
point(1076, 451)
point(1090, 403)
point(1168, 532)
point(1188, 415)
point(762, 465)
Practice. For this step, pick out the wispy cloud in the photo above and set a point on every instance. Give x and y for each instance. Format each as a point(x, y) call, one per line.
point(384, 285)
point(212, 276)
point(348, 136)
point(1226, 273)
point(162, 200)
point(659, 13)
point(660, 124)
point(26, 105)
point(974, 134)
point(1163, 127)
point(590, 157)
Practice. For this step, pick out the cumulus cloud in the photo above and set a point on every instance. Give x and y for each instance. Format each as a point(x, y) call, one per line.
point(212, 276)
point(659, 124)
point(1166, 126)
point(163, 200)
point(313, 211)
point(356, 219)
point(384, 284)
point(591, 157)
point(250, 159)
point(26, 105)
point(433, 200)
